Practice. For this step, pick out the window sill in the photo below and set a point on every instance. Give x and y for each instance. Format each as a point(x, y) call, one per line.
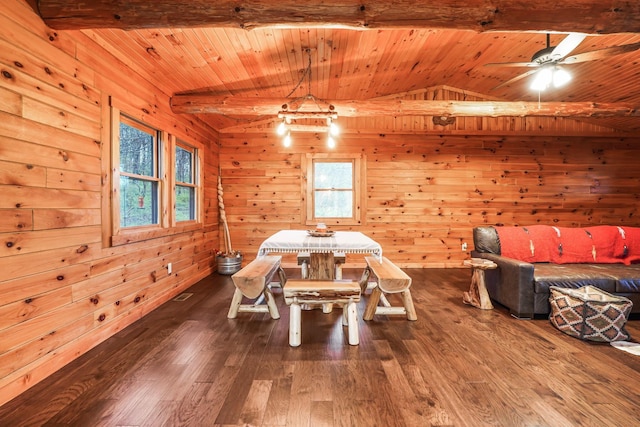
point(139, 234)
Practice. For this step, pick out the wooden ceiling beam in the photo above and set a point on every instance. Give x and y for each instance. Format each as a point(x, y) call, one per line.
point(584, 16)
point(211, 104)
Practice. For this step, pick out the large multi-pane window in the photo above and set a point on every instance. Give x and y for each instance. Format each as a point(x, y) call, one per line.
point(333, 188)
point(155, 182)
point(185, 168)
point(139, 174)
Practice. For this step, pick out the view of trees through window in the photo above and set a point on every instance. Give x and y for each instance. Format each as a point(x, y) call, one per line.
point(138, 175)
point(185, 184)
point(333, 189)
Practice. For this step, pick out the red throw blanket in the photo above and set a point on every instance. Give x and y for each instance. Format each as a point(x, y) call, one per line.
point(563, 245)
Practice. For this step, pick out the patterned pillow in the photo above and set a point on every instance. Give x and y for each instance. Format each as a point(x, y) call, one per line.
point(589, 313)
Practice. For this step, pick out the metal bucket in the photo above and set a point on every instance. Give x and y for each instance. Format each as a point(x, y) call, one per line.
point(229, 265)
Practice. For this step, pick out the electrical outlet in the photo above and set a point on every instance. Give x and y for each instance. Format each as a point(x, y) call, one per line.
point(169, 268)
point(464, 246)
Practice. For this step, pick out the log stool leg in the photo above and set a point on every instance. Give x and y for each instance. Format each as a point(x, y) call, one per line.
point(345, 315)
point(295, 320)
point(352, 320)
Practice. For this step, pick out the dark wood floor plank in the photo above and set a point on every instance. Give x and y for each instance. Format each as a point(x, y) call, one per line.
point(255, 404)
point(187, 364)
point(279, 399)
point(299, 411)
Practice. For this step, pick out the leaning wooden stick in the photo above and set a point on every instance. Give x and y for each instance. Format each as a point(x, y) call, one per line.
point(223, 217)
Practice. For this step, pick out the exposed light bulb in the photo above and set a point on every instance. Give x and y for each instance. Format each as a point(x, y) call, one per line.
point(287, 140)
point(560, 77)
point(281, 129)
point(331, 143)
point(334, 130)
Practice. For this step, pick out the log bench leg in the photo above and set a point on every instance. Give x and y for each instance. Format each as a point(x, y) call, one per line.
point(370, 310)
point(295, 320)
point(407, 301)
point(236, 300)
point(377, 296)
point(271, 303)
point(257, 307)
point(364, 280)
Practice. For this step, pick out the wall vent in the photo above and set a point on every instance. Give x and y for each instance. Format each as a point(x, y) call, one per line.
point(182, 297)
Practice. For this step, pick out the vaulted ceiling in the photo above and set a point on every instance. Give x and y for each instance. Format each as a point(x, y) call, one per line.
point(399, 47)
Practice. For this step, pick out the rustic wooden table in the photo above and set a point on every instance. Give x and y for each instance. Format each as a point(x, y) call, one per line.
point(321, 249)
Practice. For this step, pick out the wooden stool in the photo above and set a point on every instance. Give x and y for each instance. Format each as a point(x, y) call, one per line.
point(343, 292)
point(478, 295)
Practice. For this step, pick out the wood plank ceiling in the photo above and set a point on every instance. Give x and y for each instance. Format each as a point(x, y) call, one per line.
point(357, 64)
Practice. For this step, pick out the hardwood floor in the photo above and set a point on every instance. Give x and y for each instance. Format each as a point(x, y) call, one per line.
point(187, 364)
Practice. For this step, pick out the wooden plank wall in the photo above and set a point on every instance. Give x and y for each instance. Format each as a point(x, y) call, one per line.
point(425, 191)
point(63, 290)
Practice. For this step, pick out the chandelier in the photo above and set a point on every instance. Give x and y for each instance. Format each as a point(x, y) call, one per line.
point(307, 107)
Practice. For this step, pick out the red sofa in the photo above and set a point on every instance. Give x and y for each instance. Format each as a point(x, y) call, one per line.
point(530, 259)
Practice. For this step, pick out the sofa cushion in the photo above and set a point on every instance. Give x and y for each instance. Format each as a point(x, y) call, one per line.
point(627, 277)
point(486, 240)
point(571, 276)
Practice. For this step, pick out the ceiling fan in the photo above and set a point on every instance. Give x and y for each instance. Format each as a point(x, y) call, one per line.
point(546, 61)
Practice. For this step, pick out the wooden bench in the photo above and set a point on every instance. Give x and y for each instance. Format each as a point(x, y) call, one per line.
point(252, 282)
point(314, 292)
point(390, 280)
point(304, 261)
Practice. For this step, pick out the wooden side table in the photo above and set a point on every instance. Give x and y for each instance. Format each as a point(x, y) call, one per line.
point(478, 295)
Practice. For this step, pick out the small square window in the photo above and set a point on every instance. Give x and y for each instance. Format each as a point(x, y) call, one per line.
point(333, 188)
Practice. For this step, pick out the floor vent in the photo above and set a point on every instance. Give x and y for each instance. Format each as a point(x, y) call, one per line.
point(182, 297)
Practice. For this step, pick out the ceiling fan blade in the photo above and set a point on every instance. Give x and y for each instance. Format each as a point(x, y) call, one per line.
point(515, 79)
point(567, 45)
point(512, 64)
point(600, 53)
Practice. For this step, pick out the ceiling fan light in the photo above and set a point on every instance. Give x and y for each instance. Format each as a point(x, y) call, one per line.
point(542, 79)
point(281, 129)
point(331, 143)
point(560, 77)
